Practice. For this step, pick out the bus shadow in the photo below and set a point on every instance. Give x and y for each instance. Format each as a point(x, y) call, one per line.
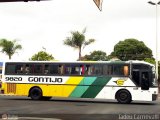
point(103, 101)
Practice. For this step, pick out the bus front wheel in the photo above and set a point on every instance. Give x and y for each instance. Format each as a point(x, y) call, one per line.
point(36, 93)
point(123, 96)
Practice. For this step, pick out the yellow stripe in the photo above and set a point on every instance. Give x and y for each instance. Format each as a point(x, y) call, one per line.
point(74, 81)
point(48, 90)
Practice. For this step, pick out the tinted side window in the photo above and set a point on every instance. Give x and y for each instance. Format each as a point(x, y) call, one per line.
point(140, 67)
point(29, 69)
point(116, 70)
point(89, 70)
point(97, 70)
point(14, 69)
point(67, 70)
point(73, 69)
point(121, 70)
point(108, 69)
point(10, 69)
point(38, 69)
point(93, 70)
point(52, 69)
point(19, 69)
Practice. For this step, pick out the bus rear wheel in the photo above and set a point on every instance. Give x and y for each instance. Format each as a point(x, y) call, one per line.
point(36, 93)
point(123, 96)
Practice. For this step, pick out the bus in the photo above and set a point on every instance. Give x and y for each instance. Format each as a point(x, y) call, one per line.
point(124, 81)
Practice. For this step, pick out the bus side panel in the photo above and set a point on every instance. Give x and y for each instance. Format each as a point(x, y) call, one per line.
point(143, 95)
point(71, 85)
point(82, 87)
point(136, 93)
point(52, 90)
point(47, 90)
point(95, 87)
point(106, 93)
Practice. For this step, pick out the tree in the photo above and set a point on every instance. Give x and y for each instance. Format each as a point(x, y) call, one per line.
point(77, 40)
point(150, 60)
point(96, 56)
point(9, 47)
point(131, 49)
point(42, 56)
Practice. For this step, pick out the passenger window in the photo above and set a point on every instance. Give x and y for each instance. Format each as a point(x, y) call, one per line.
point(97, 70)
point(38, 69)
point(19, 69)
point(68, 70)
point(93, 70)
point(54, 69)
point(108, 70)
point(89, 70)
point(61, 69)
point(119, 70)
point(74, 69)
point(51, 69)
point(10, 69)
point(29, 69)
point(46, 69)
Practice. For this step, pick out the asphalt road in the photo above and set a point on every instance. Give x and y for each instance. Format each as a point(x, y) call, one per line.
point(59, 108)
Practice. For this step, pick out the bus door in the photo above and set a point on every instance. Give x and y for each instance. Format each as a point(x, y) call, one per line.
point(145, 78)
point(141, 78)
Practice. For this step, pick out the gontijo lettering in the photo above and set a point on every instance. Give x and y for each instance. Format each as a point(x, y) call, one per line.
point(45, 79)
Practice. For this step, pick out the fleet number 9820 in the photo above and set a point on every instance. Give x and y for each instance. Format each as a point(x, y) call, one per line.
point(13, 78)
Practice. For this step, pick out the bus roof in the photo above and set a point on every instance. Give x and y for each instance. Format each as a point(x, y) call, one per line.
point(114, 62)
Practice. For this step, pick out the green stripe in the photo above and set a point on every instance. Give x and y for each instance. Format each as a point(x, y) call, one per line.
point(96, 87)
point(80, 89)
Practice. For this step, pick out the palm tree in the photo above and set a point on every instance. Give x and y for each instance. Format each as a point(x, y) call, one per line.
point(9, 47)
point(77, 41)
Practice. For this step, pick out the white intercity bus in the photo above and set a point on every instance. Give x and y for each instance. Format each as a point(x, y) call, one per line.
point(124, 81)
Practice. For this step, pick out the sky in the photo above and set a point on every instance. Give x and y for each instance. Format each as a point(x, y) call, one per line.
point(46, 24)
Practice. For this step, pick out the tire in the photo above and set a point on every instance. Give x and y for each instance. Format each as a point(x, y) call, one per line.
point(123, 96)
point(36, 93)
